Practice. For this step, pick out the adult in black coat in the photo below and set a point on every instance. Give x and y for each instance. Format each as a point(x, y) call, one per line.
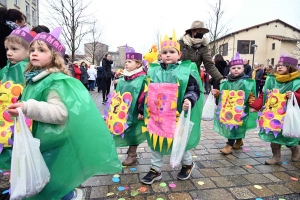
point(10, 19)
point(107, 75)
point(99, 78)
point(257, 74)
point(247, 68)
point(221, 65)
point(84, 77)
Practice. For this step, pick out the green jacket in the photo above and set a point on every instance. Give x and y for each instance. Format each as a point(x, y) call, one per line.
point(78, 149)
point(200, 55)
point(14, 73)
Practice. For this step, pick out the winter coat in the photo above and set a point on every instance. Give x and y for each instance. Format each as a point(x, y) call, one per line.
point(92, 74)
point(247, 70)
point(99, 72)
point(221, 66)
point(84, 75)
point(200, 55)
point(77, 72)
point(5, 31)
point(106, 64)
point(259, 75)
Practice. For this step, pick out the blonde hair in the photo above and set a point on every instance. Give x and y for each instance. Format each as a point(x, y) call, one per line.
point(138, 62)
point(17, 40)
point(56, 61)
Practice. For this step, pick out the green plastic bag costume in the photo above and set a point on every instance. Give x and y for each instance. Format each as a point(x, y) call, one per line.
point(78, 149)
point(233, 117)
point(179, 75)
point(14, 73)
point(122, 115)
point(275, 90)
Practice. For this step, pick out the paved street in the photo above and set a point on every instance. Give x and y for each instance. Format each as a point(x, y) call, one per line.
point(242, 175)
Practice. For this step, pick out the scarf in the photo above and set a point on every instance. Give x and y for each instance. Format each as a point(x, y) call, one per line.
point(30, 75)
point(287, 77)
point(193, 42)
point(254, 73)
point(233, 78)
point(130, 73)
point(11, 25)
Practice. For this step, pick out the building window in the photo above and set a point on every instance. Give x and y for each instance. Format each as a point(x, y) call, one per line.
point(3, 2)
point(272, 61)
point(27, 10)
point(33, 18)
point(16, 2)
point(223, 49)
point(273, 46)
point(33, 1)
point(244, 46)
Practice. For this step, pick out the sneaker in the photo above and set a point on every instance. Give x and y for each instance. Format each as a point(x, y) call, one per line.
point(186, 171)
point(104, 101)
point(151, 177)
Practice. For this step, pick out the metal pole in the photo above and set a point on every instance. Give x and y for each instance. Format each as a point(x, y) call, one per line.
point(253, 57)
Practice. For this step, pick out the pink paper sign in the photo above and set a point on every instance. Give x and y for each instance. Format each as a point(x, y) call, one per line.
point(161, 100)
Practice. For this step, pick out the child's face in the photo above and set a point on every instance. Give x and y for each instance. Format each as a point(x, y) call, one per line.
point(131, 65)
point(170, 55)
point(237, 70)
point(15, 52)
point(280, 69)
point(40, 54)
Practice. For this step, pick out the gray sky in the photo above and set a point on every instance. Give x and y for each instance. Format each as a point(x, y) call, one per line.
point(135, 21)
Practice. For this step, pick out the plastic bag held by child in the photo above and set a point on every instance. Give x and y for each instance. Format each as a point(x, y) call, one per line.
point(181, 137)
point(209, 108)
point(291, 123)
point(29, 173)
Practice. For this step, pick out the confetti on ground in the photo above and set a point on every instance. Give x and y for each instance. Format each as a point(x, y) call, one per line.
point(195, 156)
point(258, 199)
point(263, 149)
point(134, 193)
point(143, 189)
point(120, 156)
point(201, 183)
point(110, 194)
point(115, 180)
point(248, 166)
point(257, 154)
point(132, 169)
point(126, 187)
point(1, 171)
point(172, 185)
point(141, 148)
point(6, 173)
point(246, 150)
point(121, 199)
point(294, 179)
point(264, 145)
point(281, 199)
point(159, 199)
point(258, 187)
point(5, 191)
point(121, 188)
point(284, 163)
point(124, 166)
point(213, 141)
point(163, 184)
point(116, 176)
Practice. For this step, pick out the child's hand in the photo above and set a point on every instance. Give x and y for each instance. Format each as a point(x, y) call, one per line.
point(214, 91)
point(289, 94)
point(12, 109)
point(253, 110)
point(186, 104)
point(140, 117)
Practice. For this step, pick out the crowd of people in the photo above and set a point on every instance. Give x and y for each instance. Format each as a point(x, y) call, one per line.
point(76, 140)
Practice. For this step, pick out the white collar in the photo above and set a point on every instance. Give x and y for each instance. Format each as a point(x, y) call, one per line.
point(127, 73)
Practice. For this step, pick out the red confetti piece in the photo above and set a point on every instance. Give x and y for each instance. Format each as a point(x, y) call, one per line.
point(143, 189)
point(294, 179)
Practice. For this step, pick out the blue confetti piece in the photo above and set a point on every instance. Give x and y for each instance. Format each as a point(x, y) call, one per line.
point(257, 154)
point(5, 191)
point(258, 199)
point(121, 188)
point(133, 169)
point(284, 163)
point(1, 171)
point(115, 180)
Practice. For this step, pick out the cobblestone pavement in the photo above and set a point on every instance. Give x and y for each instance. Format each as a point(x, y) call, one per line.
point(242, 175)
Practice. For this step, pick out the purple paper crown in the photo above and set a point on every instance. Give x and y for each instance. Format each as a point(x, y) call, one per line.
point(23, 33)
point(289, 60)
point(236, 61)
point(52, 40)
point(131, 54)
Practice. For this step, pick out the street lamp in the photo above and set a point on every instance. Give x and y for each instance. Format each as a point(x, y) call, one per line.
point(254, 46)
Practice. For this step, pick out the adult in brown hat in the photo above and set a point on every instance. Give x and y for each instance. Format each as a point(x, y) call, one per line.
point(194, 47)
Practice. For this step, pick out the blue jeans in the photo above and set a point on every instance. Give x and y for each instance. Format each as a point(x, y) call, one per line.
point(157, 160)
point(91, 85)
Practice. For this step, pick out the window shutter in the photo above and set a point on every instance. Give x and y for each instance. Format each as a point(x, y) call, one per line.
point(252, 48)
point(239, 46)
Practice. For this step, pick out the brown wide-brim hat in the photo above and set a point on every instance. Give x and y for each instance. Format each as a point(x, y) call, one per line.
point(197, 25)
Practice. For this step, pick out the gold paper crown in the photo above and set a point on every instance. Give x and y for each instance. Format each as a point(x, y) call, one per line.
point(167, 43)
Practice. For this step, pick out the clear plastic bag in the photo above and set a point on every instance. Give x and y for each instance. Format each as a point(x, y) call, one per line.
point(29, 173)
point(291, 123)
point(208, 113)
point(181, 138)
